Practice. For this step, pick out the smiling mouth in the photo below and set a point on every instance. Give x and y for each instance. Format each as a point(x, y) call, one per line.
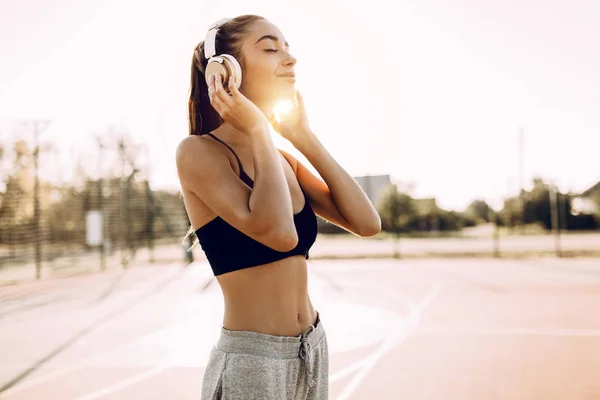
point(290, 77)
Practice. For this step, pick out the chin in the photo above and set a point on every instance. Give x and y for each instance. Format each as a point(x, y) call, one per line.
point(287, 92)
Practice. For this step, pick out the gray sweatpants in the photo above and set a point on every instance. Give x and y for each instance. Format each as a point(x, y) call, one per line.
point(252, 365)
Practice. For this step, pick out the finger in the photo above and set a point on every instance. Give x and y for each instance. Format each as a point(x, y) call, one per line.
point(299, 100)
point(233, 89)
point(274, 122)
point(218, 105)
point(212, 81)
point(221, 92)
point(211, 87)
point(215, 100)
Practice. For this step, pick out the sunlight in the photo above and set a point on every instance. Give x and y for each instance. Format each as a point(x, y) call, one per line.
point(282, 108)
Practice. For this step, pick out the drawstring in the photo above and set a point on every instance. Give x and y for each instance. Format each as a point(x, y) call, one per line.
point(306, 355)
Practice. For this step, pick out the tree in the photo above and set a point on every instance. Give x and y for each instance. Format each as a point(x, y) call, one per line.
point(396, 210)
point(15, 203)
point(479, 209)
point(536, 209)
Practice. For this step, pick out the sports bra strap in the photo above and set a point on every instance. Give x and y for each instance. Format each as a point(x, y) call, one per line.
point(243, 175)
point(229, 147)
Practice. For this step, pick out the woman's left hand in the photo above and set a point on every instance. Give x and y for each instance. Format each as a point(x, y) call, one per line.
point(293, 124)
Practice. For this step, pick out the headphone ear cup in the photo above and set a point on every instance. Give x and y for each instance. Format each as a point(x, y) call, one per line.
point(235, 69)
point(227, 67)
point(216, 65)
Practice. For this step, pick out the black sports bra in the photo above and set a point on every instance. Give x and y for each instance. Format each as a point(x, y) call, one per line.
point(227, 249)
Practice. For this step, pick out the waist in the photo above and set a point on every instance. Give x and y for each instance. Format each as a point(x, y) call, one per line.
point(268, 320)
point(267, 345)
point(271, 298)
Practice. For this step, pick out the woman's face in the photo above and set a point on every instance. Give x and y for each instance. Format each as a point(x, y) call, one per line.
point(268, 71)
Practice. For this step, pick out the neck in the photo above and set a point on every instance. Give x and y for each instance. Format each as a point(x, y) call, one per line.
point(267, 109)
point(234, 137)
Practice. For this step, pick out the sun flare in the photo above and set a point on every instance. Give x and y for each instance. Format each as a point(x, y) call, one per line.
point(282, 108)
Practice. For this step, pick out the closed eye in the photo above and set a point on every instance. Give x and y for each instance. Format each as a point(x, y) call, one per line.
point(271, 50)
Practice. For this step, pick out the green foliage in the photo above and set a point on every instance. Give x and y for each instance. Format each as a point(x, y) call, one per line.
point(479, 210)
point(400, 212)
point(15, 207)
point(396, 210)
point(535, 207)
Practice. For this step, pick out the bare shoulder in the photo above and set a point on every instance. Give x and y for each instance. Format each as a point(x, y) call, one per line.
point(195, 149)
point(196, 154)
point(200, 162)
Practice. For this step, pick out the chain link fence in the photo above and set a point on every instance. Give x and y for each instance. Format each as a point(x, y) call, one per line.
point(102, 216)
point(101, 213)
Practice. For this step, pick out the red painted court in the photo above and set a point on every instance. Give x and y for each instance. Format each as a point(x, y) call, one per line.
point(415, 329)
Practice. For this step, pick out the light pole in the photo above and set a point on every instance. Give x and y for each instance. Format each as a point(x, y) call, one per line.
point(553, 193)
point(101, 204)
point(38, 127)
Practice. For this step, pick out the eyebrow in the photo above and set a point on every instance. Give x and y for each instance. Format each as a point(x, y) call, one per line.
point(270, 37)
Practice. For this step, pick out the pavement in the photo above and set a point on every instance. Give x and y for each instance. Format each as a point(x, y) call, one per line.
point(397, 329)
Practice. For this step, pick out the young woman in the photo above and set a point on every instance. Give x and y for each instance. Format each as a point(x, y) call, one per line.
point(253, 209)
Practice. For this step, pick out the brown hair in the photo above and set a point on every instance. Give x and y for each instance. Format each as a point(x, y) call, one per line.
point(202, 116)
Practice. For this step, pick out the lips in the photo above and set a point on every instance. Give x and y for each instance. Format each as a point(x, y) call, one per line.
point(291, 75)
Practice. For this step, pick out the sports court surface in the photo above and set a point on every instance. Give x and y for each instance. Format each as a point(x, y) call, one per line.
point(397, 329)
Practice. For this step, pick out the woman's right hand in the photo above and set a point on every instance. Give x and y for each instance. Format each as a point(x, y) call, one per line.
point(235, 108)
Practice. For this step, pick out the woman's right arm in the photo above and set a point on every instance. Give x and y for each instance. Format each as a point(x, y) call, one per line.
point(265, 212)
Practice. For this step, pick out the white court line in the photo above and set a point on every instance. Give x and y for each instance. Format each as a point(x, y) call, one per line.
point(344, 372)
point(87, 359)
point(512, 331)
point(408, 303)
point(396, 337)
point(116, 387)
point(127, 382)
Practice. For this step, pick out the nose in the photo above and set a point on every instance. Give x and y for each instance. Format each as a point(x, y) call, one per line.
point(290, 61)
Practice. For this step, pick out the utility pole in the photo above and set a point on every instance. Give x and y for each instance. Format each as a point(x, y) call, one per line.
point(38, 127)
point(101, 204)
point(149, 205)
point(123, 204)
point(521, 177)
point(494, 216)
point(564, 210)
point(125, 223)
point(553, 193)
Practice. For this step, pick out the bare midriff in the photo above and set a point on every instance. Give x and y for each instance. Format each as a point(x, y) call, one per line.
point(271, 299)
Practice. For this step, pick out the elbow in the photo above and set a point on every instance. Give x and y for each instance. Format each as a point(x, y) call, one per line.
point(370, 229)
point(284, 240)
point(279, 236)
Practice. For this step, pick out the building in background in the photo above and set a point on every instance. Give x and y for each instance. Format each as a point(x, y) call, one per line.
point(373, 186)
point(588, 202)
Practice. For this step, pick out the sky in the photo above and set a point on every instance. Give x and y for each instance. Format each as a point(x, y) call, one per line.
point(431, 92)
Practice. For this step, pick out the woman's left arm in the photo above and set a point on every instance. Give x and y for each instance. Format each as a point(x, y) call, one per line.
point(339, 199)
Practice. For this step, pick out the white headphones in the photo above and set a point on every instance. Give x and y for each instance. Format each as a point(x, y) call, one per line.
point(223, 64)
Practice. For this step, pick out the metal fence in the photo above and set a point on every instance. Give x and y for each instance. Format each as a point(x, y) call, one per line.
point(105, 215)
point(99, 217)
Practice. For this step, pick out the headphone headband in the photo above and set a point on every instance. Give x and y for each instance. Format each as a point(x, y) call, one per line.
point(211, 35)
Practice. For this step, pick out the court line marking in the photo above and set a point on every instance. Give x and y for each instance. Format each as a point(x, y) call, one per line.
point(513, 331)
point(396, 337)
point(344, 372)
point(166, 364)
point(405, 300)
point(86, 361)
